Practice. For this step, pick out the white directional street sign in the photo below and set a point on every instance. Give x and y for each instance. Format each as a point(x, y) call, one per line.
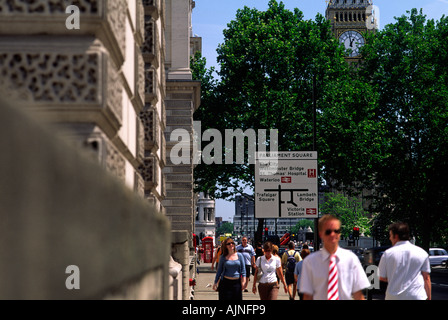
point(286, 184)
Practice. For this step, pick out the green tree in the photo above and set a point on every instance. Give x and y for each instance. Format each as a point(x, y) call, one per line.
point(406, 66)
point(267, 64)
point(226, 227)
point(218, 180)
point(349, 210)
point(382, 126)
point(303, 223)
point(350, 137)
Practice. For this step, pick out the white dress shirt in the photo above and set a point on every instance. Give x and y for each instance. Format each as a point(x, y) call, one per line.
point(314, 276)
point(402, 266)
point(269, 268)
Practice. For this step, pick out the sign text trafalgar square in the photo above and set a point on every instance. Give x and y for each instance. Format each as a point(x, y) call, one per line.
point(289, 191)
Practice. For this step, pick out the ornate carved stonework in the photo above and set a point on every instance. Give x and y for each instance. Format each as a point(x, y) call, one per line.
point(116, 16)
point(115, 162)
point(105, 19)
point(149, 43)
point(46, 7)
point(69, 79)
point(150, 172)
point(140, 78)
point(52, 77)
point(150, 84)
point(151, 125)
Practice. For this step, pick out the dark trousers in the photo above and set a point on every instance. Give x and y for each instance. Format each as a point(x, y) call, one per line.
point(230, 289)
point(248, 271)
point(268, 291)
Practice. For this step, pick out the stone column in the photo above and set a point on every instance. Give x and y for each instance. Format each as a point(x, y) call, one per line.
point(178, 18)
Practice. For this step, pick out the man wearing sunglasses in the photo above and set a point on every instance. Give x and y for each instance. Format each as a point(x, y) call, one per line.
point(332, 273)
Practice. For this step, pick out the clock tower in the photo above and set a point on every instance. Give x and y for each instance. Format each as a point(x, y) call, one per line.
point(350, 19)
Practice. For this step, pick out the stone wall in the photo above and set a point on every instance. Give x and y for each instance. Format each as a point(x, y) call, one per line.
point(153, 113)
point(179, 203)
point(103, 86)
point(181, 100)
point(89, 80)
point(59, 208)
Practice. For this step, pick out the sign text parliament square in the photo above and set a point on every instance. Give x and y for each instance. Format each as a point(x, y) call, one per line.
point(286, 184)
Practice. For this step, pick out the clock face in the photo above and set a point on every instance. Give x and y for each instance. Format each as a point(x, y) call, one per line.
point(352, 41)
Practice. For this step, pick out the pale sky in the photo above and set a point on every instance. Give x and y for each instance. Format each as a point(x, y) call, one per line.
point(210, 18)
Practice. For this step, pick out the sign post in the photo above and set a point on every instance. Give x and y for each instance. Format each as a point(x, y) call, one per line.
point(286, 184)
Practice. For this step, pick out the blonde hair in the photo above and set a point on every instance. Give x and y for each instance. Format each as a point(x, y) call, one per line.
point(324, 219)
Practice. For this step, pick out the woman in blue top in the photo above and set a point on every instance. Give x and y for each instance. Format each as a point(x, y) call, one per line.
point(231, 273)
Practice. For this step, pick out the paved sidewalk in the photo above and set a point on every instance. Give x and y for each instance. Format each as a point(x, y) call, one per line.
point(204, 286)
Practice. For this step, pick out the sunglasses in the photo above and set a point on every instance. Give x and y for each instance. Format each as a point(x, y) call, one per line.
point(228, 243)
point(329, 231)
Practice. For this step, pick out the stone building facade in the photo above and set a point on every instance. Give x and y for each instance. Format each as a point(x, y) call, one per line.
point(181, 100)
point(116, 86)
point(205, 225)
point(89, 81)
point(153, 113)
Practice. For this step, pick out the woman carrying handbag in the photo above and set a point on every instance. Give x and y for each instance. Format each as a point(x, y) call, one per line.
point(230, 280)
point(271, 268)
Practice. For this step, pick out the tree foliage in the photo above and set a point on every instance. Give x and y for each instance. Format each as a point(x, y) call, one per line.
point(349, 210)
point(405, 65)
point(304, 224)
point(226, 227)
point(267, 63)
point(382, 126)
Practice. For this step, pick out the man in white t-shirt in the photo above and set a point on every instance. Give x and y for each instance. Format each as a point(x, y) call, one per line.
point(314, 279)
point(405, 267)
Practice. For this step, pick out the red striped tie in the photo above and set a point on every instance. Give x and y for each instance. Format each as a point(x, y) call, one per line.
point(333, 280)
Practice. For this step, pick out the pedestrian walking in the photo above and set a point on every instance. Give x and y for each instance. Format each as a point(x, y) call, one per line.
point(230, 279)
point(275, 251)
point(258, 250)
point(298, 271)
point(270, 267)
point(275, 254)
point(248, 253)
point(332, 273)
point(258, 253)
point(289, 260)
point(405, 267)
point(216, 256)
